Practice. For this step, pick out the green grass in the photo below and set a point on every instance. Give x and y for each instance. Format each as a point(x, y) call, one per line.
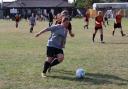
point(22, 56)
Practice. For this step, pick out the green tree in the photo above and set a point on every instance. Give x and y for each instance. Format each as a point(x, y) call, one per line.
point(79, 3)
point(83, 3)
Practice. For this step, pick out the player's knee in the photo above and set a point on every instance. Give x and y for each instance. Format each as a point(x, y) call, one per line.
point(49, 59)
point(60, 57)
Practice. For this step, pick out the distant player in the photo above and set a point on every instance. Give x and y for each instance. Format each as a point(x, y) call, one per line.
point(65, 13)
point(86, 19)
point(56, 43)
point(106, 18)
point(50, 18)
point(17, 19)
point(108, 14)
point(117, 23)
point(99, 22)
point(32, 22)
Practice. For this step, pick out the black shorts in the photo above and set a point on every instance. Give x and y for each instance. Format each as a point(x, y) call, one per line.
point(97, 28)
point(52, 51)
point(87, 20)
point(50, 20)
point(106, 19)
point(117, 25)
point(32, 25)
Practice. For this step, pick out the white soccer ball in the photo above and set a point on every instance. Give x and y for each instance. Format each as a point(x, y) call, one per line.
point(80, 73)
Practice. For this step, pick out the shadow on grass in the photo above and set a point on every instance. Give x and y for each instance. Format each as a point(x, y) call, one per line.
point(118, 43)
point(114, 43)
point(91, 78)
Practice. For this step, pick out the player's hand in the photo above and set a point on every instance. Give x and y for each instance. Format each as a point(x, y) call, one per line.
point(97, 22)
point(72, 35)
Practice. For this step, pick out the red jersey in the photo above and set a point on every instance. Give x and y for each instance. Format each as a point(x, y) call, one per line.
point(98, 21)
point(17, 18)
point(86, 17)
point(118, 18)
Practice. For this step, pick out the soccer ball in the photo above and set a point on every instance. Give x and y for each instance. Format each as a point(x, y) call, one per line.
point(80, 73)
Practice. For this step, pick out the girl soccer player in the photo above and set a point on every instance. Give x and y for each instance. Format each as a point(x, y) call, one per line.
point(98, 26)
point(55, 45)
point(86, 19)
point(117, 23)
point(32, 22)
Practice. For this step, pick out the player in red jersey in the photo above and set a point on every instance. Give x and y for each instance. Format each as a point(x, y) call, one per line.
point(99, 22)
point(65, 13)
point(17, 19)
point(86, 19)
point(117, 23)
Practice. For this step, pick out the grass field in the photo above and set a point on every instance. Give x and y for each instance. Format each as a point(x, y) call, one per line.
point(22, 56)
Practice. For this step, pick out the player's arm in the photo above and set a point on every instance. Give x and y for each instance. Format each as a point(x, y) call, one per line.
point(104, 23)
point(71, 33)
point(115, 19)
point(97, 22)
point(52, 29)
point(41, 32)
point(70, 30)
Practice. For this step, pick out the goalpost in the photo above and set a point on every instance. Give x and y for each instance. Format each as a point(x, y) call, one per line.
point(112, 8)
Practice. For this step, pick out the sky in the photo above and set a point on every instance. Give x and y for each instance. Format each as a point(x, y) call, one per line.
point(14, 0)
point(7, 0)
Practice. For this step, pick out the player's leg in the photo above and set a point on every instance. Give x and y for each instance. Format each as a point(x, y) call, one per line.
point(56, 61)
point(50, 57)
point(59, 59)
point(31, 28)
point(122, 32)
point(16, 24)
point(87, 24)
point(94, 34)
point(101, 35)
point(115, 26)
point(107, 22)
point(46, 66)
point(120, 26)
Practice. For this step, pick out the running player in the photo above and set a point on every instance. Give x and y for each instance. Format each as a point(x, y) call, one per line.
point(32, 22)
point(106, 18)
point(65, 13)
point(50, 18)
point(17, 19)
point(55, 45)
point(86, 19)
